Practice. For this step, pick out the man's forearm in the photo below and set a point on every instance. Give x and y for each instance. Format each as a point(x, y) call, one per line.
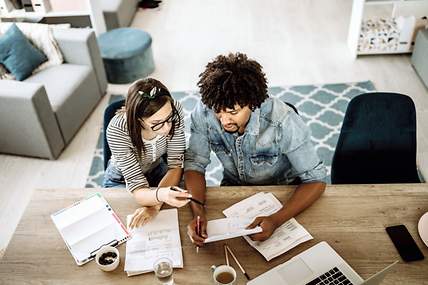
point(172, 177)
point(304, 196)
point(196, 185)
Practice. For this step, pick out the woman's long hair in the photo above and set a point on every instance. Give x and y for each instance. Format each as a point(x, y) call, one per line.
point(145, 98)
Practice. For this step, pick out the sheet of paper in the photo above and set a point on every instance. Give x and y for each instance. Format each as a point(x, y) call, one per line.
point(285, 237)
point(221, 229)
point(158, 238)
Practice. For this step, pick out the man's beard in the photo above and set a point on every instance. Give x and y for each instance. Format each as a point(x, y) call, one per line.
point(232, 132)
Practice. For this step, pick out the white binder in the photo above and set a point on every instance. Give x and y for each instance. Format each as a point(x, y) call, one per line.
point(88, 225)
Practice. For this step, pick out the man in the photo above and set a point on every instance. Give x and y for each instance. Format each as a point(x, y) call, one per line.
point(259, 140)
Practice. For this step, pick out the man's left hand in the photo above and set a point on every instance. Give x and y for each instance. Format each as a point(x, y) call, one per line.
point(267, 224)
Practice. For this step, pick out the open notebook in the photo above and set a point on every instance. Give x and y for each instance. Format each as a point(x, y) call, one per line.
point(87, 225)
point(158, 238)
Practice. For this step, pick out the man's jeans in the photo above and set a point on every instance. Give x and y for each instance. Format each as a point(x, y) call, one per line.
point(114, 178)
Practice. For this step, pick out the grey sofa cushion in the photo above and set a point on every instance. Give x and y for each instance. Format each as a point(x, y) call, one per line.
point(73, 93)
point(60, 81)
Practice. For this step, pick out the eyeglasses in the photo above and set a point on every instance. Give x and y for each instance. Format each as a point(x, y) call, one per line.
point(171, 118)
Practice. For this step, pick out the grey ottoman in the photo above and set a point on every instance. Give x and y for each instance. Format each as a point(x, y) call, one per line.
point(127, 54)
point(420, 55)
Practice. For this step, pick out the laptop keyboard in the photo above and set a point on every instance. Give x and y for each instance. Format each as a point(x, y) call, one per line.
point(334, 276)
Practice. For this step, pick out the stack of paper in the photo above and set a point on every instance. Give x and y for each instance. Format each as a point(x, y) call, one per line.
point(158, 238)
point(285, 237)
point(226, 228)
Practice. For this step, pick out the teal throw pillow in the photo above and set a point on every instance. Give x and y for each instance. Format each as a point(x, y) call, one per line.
point(18, 55)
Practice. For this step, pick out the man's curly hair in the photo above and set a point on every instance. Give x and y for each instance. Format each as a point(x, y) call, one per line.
point(233, 79)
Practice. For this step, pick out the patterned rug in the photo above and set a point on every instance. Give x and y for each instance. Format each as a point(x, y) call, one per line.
point(322, 107)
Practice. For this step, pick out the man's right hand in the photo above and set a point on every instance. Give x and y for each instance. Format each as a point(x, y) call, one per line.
point(191, 230)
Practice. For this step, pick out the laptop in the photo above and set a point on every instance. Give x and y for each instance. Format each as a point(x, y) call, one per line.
point(319, 264)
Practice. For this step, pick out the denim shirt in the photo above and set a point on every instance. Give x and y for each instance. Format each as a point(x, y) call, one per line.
point(275, 147)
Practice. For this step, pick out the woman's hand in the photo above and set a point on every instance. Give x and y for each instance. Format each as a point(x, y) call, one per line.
point(143, 215)
point(176, 198)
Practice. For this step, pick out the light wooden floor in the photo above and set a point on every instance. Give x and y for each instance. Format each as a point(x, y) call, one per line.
point(296, 41)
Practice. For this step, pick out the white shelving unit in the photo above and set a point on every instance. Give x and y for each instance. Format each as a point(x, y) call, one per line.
point(418, 8)
point(15, 14)
point(95, 13)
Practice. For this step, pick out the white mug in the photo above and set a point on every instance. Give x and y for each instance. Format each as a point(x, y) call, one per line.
point(222, 273)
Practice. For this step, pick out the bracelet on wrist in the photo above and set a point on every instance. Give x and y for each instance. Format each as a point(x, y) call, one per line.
point(157, 190)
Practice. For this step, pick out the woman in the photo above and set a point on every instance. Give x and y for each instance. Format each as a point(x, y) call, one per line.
point(146, 139)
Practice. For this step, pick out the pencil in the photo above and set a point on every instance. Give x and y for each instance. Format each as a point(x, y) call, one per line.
point(237, 262)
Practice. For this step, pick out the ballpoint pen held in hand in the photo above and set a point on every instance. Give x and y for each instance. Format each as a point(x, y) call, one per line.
point(173, 188)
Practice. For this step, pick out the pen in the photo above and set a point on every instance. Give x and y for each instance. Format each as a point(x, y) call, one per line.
point(237, 262)
point(198, 230)
point(191, 199)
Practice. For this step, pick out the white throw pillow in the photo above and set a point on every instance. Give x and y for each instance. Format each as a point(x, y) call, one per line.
point(4, 73)
point(42, 37)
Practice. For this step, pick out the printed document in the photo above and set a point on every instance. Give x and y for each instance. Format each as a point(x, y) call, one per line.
point(227, 228)
point(158, 238)
point(285, 237)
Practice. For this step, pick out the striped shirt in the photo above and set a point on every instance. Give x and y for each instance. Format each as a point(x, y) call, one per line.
point(124, 154)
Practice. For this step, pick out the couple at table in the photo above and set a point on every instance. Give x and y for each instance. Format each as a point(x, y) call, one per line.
point(258, 139)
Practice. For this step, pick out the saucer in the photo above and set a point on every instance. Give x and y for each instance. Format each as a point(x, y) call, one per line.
point(423, 228)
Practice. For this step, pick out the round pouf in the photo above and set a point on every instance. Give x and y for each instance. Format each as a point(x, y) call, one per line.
point(127, 54)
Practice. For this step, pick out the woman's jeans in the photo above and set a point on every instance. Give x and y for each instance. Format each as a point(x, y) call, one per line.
point(114, 178)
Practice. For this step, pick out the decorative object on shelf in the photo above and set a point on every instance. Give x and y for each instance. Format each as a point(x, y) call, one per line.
point(28, 5)
point(41, 6)
point(386, 35)
point(378, 35)
point(17, 4)
point(5, 6)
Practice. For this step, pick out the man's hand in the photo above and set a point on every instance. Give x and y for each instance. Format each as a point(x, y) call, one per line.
point(143, 215)
point(191, 230)
point(267, 224)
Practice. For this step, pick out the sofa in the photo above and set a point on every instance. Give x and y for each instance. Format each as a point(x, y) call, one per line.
point(118, 13)
point(40, 115)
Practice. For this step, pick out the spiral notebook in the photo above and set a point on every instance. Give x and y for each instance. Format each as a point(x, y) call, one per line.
point(87, 225)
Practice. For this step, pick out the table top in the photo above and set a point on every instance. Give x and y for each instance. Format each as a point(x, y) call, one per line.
point(351, 218)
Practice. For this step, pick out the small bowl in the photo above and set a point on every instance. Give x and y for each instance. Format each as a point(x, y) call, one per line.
point(106, 250)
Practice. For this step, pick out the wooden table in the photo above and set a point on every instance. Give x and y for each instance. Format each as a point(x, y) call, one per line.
point(350, 218)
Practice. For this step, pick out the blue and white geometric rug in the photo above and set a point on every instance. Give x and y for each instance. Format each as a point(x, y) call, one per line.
point(322, 107)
